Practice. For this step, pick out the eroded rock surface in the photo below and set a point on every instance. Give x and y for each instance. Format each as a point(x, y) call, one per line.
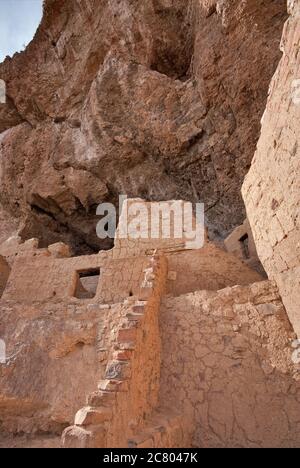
point(160, 99)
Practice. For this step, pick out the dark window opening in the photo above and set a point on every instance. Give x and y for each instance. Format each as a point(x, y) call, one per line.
point(4, 274)
point(87, 283)
point(245, 246)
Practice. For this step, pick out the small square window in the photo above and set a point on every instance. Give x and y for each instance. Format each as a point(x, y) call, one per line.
point(87, 283)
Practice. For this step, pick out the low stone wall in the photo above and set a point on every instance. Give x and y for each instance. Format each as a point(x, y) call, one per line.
point(227, 366)
point(39, 276)
point(208, 268)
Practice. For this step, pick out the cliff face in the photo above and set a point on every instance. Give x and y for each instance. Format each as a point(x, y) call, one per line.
point(160, 99)
point(272, 187)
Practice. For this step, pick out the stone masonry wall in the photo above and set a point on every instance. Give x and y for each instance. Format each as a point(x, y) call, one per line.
point(39, 276)
point(208, 268)
point(271, 190)
point(128, 394)
point(227, 366)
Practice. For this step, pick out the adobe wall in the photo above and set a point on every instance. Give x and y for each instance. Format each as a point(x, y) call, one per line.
point(227, 366)
point(43, 343)
point(48, 334)
point(51, 274)
point(208, 268)
point(271, 189)
point(13, 246)
point(38, 276)
point(224, 364)
point(118, 412)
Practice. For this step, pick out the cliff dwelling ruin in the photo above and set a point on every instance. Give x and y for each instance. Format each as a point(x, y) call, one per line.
point(145, 341)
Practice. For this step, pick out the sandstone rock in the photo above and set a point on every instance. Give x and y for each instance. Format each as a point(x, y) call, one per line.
point(59, 250)
point(129, 109)
point(268, 309)
point(113, 385)
point(118, 370)
point(79, 437)
point(30, 244)
point(10, 247)
point(92, 416)
point(296, 344)
point(101, 398)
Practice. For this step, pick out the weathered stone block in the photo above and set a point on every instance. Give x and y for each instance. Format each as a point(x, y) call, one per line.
point(113, 385)
point(118, 370)
point(60, 250)
point(101, 398)
point(126, 335)
point(268, 309)
point(92, 416)
point(79, 437)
